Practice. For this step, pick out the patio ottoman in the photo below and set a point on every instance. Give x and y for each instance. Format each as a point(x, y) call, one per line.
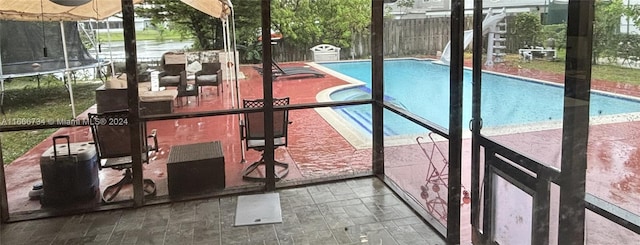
point(113, 96)
point(156, 102)
point(195, 169)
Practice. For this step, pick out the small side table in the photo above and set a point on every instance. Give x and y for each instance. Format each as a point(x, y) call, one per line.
point(195, 168)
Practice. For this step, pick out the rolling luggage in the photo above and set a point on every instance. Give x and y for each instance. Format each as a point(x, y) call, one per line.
point(69, 173)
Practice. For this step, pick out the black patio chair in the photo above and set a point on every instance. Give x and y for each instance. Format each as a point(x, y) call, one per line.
point(252, 132)
point(173, 64)
point(111, 137)
point(210, 75)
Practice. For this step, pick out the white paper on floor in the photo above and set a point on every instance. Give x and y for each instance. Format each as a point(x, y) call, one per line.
point(258, 209)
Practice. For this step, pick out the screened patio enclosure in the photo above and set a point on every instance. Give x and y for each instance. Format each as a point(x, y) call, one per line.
point(560, 174)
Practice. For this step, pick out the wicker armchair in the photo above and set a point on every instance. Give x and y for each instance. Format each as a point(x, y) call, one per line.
point(210, 75)
point(172, 65)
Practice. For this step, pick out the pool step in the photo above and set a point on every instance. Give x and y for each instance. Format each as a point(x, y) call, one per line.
point(363, 119)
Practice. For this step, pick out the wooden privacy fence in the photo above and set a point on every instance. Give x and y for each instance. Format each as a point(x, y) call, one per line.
point(402, 38)
point(416, 37)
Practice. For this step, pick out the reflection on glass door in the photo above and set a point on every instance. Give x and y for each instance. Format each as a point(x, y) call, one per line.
point(513, 213)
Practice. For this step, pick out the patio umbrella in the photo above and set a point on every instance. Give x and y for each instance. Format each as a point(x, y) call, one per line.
point(215, 8)
point(44, 10)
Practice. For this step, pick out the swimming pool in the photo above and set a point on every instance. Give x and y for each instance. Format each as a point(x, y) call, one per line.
point(422, 87)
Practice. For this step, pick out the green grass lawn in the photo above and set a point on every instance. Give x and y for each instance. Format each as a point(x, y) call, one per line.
point(601, 72)
point(146, 35)
point(23, 99)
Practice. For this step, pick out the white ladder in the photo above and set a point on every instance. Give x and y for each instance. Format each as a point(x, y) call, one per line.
point(496, 43)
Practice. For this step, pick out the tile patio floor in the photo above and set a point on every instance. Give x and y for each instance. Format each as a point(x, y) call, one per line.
point(347, 212)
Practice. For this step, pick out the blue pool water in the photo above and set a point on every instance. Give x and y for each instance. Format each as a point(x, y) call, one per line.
point(422, 87)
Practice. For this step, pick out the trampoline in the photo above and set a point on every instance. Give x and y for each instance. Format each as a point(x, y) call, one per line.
point(37, 49)
point(40, 15)
point(21, 49)
point(37, 19)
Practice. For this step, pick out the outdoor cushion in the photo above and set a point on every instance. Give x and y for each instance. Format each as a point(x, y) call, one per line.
point(121, 82)
point(153, 96)
point(144, 93)
point(146, 86)
point(170, 80)
point(175, 58)
point(207, 79)
point(194, 67)
point(116, 82)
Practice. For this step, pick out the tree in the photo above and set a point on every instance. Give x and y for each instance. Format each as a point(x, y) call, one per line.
point(528, 28)
point(306, 23)
point(248, 23)
point(405, 5)
point(160, 27)
point(606, 28)
point(633, 13)
point(556, 32)
point(247, 19)
point(206, 29)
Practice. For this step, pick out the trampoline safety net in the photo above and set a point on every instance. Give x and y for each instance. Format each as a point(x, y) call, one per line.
point(22, 45)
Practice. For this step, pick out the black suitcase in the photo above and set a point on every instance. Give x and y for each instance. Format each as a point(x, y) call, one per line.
point(69, 173)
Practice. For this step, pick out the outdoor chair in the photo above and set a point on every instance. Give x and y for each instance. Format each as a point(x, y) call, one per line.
point(210, 75)
point(173, 64)
point(278, 71)
point(186, 89)
point(252, 132)
point(112, 141)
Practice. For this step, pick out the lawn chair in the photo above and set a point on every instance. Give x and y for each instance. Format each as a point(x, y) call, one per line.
point(278, 71)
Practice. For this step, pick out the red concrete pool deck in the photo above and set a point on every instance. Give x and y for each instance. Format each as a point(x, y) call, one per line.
point(316, 149)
